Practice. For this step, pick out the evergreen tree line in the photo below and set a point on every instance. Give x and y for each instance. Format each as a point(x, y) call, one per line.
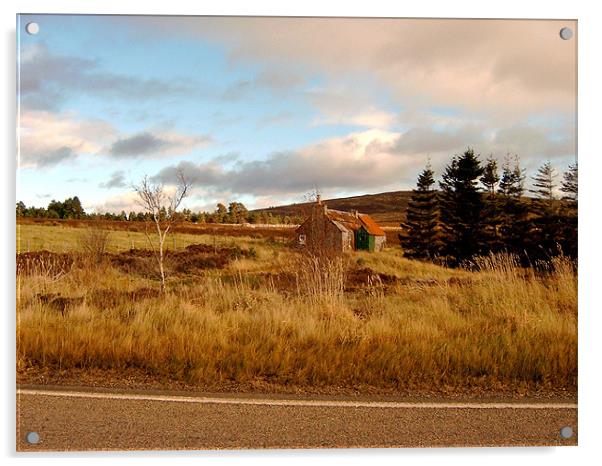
point(236, 212)
point(69, 208)
point(477, 210)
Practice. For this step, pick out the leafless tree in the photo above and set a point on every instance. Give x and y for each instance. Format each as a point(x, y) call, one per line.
point(163, 208)
point(312, 196)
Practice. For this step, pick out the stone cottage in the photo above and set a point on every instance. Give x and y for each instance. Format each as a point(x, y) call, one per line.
point(336, 231)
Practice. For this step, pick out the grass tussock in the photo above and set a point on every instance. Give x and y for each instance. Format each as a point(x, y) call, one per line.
point(498, 326)
point(321, 280)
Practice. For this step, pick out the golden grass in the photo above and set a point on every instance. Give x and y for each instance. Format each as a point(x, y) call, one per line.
point(499, 327)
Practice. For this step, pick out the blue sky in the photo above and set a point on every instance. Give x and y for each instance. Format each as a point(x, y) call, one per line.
point(264, 110)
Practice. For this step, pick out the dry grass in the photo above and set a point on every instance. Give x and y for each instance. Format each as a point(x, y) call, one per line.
point(320, 280)
point(31, 237)
point(499, 327)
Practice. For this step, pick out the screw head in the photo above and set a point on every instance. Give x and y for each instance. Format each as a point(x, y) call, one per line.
point(566, 432)
point(32, 438)
point(566, 33)
point(32, 28)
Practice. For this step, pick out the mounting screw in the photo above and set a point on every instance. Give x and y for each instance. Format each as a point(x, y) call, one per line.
point(32, 438)
point(566, 432)
point(566, 33)
point(32, 28)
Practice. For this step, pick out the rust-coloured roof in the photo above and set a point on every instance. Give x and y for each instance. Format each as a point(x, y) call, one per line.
point(371, 226)
point(354, 223)
point(351, 222)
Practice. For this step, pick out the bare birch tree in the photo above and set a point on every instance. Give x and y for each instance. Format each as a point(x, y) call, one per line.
point(162, 208)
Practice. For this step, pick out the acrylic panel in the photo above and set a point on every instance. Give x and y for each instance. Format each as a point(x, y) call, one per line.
point(285, 232)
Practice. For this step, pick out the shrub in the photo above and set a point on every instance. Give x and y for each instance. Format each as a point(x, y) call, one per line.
point(94, 242)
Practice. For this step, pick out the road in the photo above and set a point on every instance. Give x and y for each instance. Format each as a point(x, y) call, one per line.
point(80, 419)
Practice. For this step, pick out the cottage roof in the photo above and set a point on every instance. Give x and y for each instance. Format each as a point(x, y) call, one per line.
point(340, 226)
point(347, 221)
point(371, 226)
point(355, 222)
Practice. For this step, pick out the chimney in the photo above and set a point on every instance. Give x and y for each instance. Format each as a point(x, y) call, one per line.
point(318, 199)
point(355, 213)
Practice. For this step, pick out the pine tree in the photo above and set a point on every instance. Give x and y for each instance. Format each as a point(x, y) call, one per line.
point(569, 234)
point(548, 223)
point(490, 177)
point(461, 207)
point(21, 209)
point(514, 211)
point(491, 236)
point(569, 183)
point(544, 183)
point(422, 231)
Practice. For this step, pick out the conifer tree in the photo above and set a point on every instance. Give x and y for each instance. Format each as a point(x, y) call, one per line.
point(544, 183)
point(569, 232)
point(490, 177)
point(513, 208)
point(21, 209)
point(569, 183)
point(491, 236)
point(461, 207)
point(422, 231)
point(512, 182)
point(548, 225)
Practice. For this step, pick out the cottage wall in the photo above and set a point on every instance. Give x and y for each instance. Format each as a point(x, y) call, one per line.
point(347, 241)
point(321, 235)
point(379, 242)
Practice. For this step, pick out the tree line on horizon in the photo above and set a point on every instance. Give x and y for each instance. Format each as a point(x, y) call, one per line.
point(234, 213)
point(477, 210)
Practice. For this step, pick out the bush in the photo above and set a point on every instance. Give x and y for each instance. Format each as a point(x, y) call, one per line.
point(94, 241)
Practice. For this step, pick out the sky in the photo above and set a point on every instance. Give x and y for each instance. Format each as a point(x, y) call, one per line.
point(265, 110)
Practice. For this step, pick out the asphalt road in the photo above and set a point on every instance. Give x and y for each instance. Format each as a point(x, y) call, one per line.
point(84, 420)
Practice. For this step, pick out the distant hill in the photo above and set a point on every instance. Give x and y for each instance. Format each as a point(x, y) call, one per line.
point(388, 209)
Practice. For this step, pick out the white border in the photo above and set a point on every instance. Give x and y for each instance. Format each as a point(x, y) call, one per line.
point(590, 154)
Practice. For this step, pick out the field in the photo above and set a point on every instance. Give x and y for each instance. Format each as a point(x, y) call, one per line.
point(247, 311)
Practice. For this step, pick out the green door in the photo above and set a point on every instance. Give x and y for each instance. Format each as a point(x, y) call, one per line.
point(362, 239)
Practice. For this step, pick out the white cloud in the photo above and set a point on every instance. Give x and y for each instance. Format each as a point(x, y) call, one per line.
point(368, 161)
point(47, 138)
point(502, 67)
point(115, 204)
point(371, 118)
point(362, 160)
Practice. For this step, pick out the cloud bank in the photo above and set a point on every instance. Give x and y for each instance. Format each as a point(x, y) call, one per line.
point(157, 144)
point(48, 80)
point(48, 139)
point(500, 67)
point(371, 161)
